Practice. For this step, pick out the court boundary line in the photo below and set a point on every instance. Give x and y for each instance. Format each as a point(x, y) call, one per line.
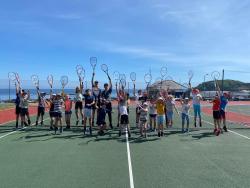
point(131, 178)
point(12, 132)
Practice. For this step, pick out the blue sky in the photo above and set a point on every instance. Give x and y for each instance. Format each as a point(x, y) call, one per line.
point(43, 37)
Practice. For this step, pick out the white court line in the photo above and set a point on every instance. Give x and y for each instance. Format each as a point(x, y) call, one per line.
point(12, 132)
point(131, 179)
point(243, 136)
point(7, 122)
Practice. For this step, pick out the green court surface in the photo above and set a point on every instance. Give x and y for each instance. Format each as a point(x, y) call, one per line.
point(241, 109)
point(35, 157)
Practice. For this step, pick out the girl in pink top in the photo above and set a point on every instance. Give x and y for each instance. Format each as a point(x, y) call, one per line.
point(68, 112)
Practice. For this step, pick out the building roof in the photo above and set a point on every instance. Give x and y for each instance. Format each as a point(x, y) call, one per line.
point(165, 84)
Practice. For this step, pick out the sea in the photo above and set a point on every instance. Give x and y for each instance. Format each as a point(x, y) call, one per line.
point(10, 94)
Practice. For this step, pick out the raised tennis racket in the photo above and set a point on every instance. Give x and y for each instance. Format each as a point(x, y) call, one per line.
point(35, 80)
point(123, 83)
point(164, 71)
point(147, 78)
point(80, 73)
point(64, 81)
point(215, 76)
point(116, 76)
point(12, 76)
point(50, 80)
point(190, 76)
point(105, 69)
point(133, 79)
point(93, 62)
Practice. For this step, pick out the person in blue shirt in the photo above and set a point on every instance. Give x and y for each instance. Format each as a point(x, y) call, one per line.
point(106, 95)
point(88, 110)
point(224, 102)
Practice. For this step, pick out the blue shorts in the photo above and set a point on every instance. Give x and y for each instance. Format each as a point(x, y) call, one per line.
point(87, 112)
point(160, 119)
point(184, 117)
point(170, 115)
point(197, 110)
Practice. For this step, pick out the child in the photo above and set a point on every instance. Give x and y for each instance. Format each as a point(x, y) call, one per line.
point(140, 99)
point(97, 95)
point(24, 105)
point(68, 112)
point(196, 104)
point(143, 119)
point(17, 102)
point(160, 106)
point(170, 106)
point(88, 114)
point(51, 110)
point(152, 115)
point(101, 117)
point(185, 107)
point(78, 104)
point(123, 111)
point(216, 115)
point(58, 102)
point(41, 106)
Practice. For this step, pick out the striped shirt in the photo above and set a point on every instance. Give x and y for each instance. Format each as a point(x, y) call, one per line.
point(58, 105)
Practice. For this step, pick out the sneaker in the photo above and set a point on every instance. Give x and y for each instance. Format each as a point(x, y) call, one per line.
point(221, 130)
point(90, 131)
point(61, 129)
point(187, 130)
point(36, 123)
point(129, 134)
point(218, 132)
point(200, 124)
point(159, 134)
point(41, 122)
point(84, 130)
point(183, 130)
point(29, 122)
point(194, 124)
point(51, 128)
point(215, 130)
point(111, 126)
point(55, 129)
point(225, 128)
point(120, 133)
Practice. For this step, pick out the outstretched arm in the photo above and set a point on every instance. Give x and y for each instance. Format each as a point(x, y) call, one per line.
point(92, 80)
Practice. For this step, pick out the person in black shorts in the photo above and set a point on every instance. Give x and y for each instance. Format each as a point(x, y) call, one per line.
point(17, 102)
point(106, 95)
point(78, 104)
point(97, 95)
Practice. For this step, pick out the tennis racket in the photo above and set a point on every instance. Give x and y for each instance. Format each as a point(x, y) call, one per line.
point(133, 79)
point(50, 80)
point(190, 76)
point(116, 76)
point(105, 69)
point(80, 71)
point(215, 76)
point(123, 83)
point(64, 81)
point(12, 76)
point(93, 62)
point(35, 80)
point(164, 71)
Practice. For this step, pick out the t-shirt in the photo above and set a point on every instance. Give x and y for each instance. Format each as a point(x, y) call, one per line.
point(123, 110)
point(152, 109)
point(185, 108)
point(88, 100)
point(41, 102)
point(78, 97)
point(24, 102)
point(143, 115)
point(196, 99)
point(107, 94)
point(170, 105)
point(141, 99)
point(160, 108)
point(223, 103)
point(18, 100)
point(216, 105)
point(68, 105)
point(96, 93)
point(58, 105)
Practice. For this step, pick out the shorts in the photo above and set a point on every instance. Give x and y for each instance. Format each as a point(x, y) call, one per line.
point(138, 111)
point(41, 111)
point(78, 105)
point(124, 119)
point(152, 115)
point(24, 112)
point(57, 114)
point(51, 114)
point(18, 110)
point(222, 114)
point(197, 110)
point(87, 112)
point(170, 116)
point(216, 114)
point(142, 123)
point(68, 112)
point(184, 117)
point(160, 119)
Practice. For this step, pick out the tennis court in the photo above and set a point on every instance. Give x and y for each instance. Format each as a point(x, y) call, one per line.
point(35, 157)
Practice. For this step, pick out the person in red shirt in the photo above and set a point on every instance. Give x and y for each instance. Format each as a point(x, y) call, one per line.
point(216, 115)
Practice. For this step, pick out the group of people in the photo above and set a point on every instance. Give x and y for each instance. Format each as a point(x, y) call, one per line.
point(92, 106)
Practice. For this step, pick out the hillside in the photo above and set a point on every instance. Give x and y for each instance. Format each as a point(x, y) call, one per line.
point(229, 85)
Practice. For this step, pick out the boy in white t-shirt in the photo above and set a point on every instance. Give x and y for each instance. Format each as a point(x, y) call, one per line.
point(185, 108)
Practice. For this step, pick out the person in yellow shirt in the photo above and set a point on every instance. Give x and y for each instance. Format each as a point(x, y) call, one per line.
point(160, 107)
